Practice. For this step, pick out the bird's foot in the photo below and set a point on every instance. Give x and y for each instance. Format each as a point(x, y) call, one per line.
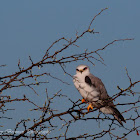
point(83, 101)
point(89, 107)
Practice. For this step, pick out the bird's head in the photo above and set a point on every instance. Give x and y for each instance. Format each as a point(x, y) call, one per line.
point(82, 69)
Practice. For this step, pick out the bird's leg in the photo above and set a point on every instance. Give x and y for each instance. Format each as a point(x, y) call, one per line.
point(89, 107)
point(83, 100)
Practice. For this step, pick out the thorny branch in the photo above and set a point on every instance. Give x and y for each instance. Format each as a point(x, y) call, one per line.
point(76, 111)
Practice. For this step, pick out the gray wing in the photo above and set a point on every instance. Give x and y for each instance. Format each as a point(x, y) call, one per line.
point(98, 85)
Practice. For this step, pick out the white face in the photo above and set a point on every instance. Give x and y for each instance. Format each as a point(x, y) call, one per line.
point(82, 69)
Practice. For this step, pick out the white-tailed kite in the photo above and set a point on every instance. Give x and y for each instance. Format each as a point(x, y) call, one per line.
point(94, 92)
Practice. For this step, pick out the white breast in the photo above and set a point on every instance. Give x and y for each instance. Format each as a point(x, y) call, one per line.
point(89, 93)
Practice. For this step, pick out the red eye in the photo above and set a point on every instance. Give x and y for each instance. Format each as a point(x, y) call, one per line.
point(77, 70)
point(85, 68)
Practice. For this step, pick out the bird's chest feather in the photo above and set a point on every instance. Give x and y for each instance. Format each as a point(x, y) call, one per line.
point(88, 92)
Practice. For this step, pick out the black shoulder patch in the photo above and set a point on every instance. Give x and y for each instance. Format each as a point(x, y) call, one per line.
point(88, 81)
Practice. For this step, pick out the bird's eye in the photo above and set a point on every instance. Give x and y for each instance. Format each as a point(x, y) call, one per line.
point(85, 68)
point(77, 70)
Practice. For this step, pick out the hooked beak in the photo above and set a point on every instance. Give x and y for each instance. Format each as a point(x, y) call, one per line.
point(81, 71)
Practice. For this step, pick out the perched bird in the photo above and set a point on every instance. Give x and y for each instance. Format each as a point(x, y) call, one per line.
point(94, 92)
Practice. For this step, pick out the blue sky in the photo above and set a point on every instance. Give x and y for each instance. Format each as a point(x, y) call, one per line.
point(30, 27)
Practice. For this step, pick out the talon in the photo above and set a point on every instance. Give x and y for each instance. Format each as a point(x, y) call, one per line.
point(83, 101)
point(89, 107)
